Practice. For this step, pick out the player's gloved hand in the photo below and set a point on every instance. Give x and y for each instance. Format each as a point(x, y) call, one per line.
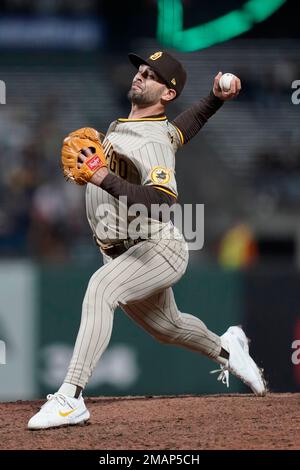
point(235, 88)
point(99, 175)
point(75, 146)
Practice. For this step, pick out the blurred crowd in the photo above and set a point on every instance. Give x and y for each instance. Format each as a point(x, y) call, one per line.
point(41, 216)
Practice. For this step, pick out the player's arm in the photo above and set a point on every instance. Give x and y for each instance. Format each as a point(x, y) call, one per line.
point(135, 193)
point(193, 119)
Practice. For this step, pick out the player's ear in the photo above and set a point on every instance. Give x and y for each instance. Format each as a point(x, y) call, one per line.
point(169, 94)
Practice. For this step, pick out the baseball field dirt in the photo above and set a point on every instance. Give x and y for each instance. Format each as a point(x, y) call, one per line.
point(173, 422)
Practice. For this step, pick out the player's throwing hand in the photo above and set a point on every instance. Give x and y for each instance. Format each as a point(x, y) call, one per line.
point(235, 88)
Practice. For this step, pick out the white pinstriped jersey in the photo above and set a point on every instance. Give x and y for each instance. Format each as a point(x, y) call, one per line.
point(141, 151)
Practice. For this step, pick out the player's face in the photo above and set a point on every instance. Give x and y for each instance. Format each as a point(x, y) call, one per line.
point(147, 88)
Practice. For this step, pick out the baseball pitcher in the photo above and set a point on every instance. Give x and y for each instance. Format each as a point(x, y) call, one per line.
point(132, 166)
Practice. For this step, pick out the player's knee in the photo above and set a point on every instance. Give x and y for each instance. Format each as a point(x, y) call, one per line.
point(100, 287)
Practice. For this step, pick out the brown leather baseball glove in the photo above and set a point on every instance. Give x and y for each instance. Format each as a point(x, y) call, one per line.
point(73, 145)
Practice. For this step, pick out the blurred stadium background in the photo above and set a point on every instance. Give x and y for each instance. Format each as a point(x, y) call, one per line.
point(65, 66)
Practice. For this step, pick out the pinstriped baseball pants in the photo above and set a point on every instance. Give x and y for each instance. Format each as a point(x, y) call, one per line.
point(139, 281)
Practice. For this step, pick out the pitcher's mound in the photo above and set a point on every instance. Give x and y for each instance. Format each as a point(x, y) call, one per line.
point(172, 422)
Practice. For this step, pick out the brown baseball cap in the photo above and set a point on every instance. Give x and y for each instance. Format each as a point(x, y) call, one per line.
point(169, 69)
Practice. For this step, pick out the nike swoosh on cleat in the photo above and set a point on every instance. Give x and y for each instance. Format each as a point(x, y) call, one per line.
point(67, 413)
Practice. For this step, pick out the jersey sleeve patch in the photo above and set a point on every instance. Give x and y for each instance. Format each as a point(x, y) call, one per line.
point(160, 175)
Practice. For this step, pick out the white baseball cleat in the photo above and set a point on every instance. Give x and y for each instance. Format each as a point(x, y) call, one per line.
point(240, 362)
point(59, 410)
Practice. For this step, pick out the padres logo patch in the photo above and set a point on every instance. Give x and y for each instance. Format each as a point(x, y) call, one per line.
point(160, 175)
point(156, 55)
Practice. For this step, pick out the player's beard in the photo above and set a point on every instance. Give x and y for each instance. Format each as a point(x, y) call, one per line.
point(144, 99)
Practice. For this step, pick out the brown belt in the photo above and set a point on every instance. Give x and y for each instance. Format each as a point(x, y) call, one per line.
point(116, 249)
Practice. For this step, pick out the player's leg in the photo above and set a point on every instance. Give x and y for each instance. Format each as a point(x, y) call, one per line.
point(134, 275)
point(160, 316)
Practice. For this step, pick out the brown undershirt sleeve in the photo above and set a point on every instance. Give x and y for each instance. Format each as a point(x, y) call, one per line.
point(136, 194)
point(193, 119)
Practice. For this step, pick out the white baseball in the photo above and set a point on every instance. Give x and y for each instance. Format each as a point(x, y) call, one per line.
point(225, 81)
